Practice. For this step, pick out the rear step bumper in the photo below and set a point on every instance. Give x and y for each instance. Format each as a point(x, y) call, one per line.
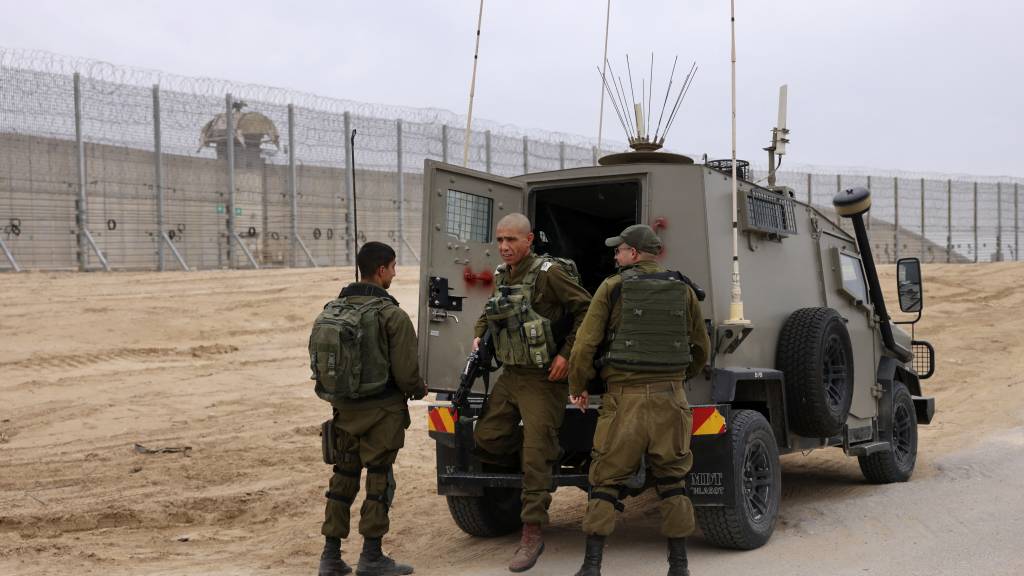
point(925, 408)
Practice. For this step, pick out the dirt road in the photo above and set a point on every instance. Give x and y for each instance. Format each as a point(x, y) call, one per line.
point(91, 364)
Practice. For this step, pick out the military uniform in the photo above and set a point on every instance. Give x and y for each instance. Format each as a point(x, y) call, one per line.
point(369, 431)
point(524, 393)
point(644, 412)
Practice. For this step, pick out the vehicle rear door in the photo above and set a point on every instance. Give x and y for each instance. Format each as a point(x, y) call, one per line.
point(460, 210)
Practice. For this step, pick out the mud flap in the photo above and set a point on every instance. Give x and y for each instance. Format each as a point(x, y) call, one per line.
point(710, 481)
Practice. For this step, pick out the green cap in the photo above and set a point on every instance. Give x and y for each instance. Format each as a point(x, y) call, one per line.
point(639, 236)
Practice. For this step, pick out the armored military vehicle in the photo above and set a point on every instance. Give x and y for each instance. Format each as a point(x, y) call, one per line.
point(820, 363)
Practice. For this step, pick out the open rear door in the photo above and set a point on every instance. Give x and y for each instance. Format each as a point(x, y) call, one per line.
point(460, 210)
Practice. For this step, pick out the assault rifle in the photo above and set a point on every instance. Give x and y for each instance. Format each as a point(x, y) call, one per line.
point(478, 365)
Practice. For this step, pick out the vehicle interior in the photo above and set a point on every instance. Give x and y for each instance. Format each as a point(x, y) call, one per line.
point(573, 221)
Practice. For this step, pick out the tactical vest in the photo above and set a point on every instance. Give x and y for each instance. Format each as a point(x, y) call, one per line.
point(348, 350)
point(521, 336)
point(654, 332)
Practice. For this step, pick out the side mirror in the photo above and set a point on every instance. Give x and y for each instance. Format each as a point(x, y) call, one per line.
point(908, 278)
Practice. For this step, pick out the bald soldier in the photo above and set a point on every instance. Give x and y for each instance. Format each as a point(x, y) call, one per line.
point(533, 314)
point(649, 324)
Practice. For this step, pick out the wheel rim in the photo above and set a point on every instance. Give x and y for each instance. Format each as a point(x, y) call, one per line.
point(901, 435)
point(757, 481)
point(834, 372)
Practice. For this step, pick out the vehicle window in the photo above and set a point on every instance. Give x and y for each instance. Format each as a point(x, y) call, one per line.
point(854, 282)
point(469, 216)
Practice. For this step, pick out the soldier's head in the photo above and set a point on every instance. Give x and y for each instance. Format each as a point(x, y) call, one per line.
point(636, 243)
point(514, 235)
point(376, 261)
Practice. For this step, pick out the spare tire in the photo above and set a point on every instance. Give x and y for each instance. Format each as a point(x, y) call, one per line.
point(816, 359)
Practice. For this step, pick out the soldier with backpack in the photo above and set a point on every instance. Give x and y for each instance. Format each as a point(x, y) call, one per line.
point(363, 357)
point(647, 323)
point(532, 316)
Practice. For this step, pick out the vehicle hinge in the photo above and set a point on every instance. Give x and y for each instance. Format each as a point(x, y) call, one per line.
point(876, 391)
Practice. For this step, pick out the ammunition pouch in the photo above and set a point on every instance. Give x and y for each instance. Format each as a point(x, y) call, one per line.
point(522, 337)
point(380, 484)
point(327, 442)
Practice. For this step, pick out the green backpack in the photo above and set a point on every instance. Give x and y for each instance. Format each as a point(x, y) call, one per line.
point(654, 332)
point(348, 350)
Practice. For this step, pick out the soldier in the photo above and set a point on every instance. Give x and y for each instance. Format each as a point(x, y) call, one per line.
point(367, 380)
point(533, 315)
point(648, 322)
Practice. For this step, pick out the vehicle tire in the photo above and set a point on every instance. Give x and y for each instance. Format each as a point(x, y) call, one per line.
point(897, 463)
point(496, 513)
point(757, 483)
point(816, 358)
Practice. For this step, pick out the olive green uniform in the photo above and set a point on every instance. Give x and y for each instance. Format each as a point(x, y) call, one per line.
point(525, 394)
point(369, 432)
point(642, 413)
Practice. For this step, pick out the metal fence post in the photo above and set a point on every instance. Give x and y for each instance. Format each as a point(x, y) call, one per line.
point(487, 150)
point(1016, 223)
point(526, 155)
point(839, 188)
point(293, 244)
point(561, 155)
point(293, 192)
point(229, 145)
point(999, 222)
point(867, 216)
point(949, 221)
point(80, 210)
point(975, 221)
point(349, 178)
point(810, 195)
point(401, 191)
point(159, 179)
point(923, 239)
point(896, 218)
point(444, 143)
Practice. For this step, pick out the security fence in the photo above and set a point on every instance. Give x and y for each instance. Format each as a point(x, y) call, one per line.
point(104, 167)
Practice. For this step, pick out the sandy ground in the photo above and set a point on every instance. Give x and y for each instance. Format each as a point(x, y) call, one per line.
point(91, 364)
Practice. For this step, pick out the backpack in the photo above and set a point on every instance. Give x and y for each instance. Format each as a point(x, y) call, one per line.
point(654, 331)
point(348, 350)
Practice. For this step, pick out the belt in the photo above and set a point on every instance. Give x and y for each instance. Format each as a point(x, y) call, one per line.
point(653, 388)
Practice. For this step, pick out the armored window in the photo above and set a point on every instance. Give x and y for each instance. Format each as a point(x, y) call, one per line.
point(468, 216)
point(854, 284)
point(769, 213)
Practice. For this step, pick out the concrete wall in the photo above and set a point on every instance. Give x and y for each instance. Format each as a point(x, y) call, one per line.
point(39, 194)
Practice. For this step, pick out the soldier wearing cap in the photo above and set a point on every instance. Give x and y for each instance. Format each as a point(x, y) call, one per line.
point(646, 331)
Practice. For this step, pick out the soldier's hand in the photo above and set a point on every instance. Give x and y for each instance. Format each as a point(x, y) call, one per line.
point(582, 401)
point(559, 369)
point(476, 344)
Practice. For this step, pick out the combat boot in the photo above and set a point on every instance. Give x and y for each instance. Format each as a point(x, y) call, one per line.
point(373, 562)
point(331, 563)
point(530, 548)
point(592, 556)
point(677, 563)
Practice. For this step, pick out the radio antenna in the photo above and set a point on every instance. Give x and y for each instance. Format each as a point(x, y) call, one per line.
point(604, 84)
point(736, 299)
point(472, 89)
point(637, 116)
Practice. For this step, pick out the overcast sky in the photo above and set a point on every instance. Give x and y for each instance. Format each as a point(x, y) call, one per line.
point(932, 86)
